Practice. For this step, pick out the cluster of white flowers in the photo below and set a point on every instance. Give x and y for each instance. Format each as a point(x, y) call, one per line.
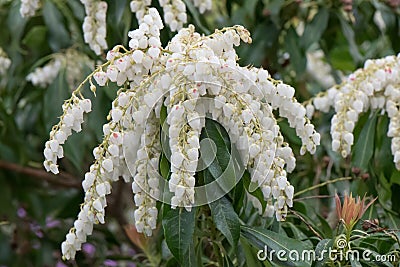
point(29, 7)
point(145, 185)
point(44, 76)
point(74, 63)
point(190, 69)
point(184, 144)
point(174, 13)
point(374, 87)
point(71, 119)
point(94, 25)
point(203, 5)
point(139, 7)
point(132, 65)
point(5, 62)
point(319, 70)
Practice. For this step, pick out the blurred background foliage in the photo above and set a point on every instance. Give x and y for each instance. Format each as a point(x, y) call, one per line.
point(36, 208)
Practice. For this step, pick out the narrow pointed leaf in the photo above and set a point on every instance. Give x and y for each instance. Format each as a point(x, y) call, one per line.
point(364, 148)
point(178, 227)
point(226, 220)
point(260, 237)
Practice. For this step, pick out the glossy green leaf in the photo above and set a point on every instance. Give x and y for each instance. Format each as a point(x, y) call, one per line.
point(250, 253)
point(297, 55)
point(164, 166)
point(178, 227)
point(226, 220)
point(213, 131)
point(384, 192)
point(321, 252)
point(369, 259)
point(58, 35)
point(325, 227)
point(260, 237)
point(253, 189)
point(314, 30)
point(348, 32)
point(35, 37)
point(197, 17)
point(355, 263)
point(364, 148)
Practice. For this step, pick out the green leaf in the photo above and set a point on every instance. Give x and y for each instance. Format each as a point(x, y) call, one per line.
point(213, 131)
point(325, 227)
point(58, 35)
point(226, 220)
point(74, 150)
point(164, 166)
point(15, 22)
point(350, 36)
point(370, 257)
point(314, 30)
point(54, 96)
point(297, 55)
point(249, 253)
point(35, 37)
point(364, 148)
point(163, 114)
point(226, 168)
point(250, 186)
point(384, 192)
point(320, 252)
point(179, 227)
point(197, 17)
point(355, 263)
point(227, 262)
point(190, 258)
point(116, 10)
point(260, 237)
point(297, 232)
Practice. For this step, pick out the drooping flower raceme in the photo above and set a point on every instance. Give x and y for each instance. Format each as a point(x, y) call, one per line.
point(72, 61)
point(44, 76)
point(5, 62)
point(139, 7)
point(29, 7)
point(374, 87)
point(174, 11)
point(318, 69)
point(94, 25)
point(203, 5)
point(192, 78)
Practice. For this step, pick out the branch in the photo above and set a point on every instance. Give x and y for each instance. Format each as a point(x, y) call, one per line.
point(63, 179)
point(323, 184)
point(307, 223)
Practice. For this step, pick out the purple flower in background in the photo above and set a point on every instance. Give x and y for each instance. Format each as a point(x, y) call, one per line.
point(52, 223)
point(35, 228)
point(110, 263)
point(131, 264)
point(61, 264)
point(131, 252)
point(36, 245)
point(89, 249)
point(21, 212)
